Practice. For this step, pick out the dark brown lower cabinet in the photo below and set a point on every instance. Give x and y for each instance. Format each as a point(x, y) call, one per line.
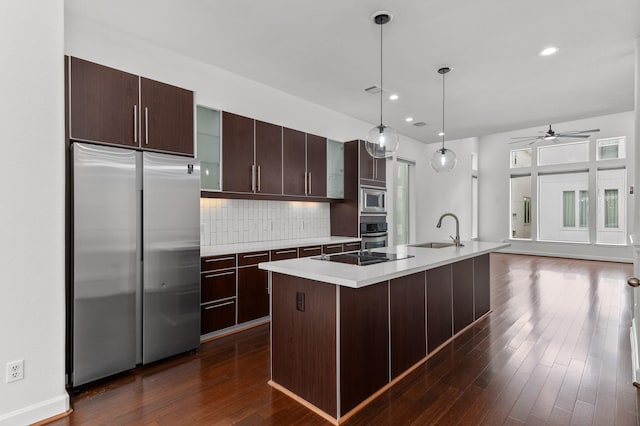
point(364, 343)
point(253, 293)
point(481, 286)
point(462, 294)
point(439, 312)
point(217, 315)
point(216, 285)
point(303, 341)
point(407, 316)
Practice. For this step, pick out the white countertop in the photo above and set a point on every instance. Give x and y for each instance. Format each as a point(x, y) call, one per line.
point(360, 276)
point(271, 245)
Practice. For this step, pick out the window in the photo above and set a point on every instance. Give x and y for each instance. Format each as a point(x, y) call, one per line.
point(402, 203)
point(584, 209)
point(563, 153)
point(520, 207)
point(474, 206)
point(611, 148)
point(521, 158)
point(612, 209)
point(561, 200)
point(568, 209)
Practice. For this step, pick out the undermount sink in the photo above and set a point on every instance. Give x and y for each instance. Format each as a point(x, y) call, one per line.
point(432, 245)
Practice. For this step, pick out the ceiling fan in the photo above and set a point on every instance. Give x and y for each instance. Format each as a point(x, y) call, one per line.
point(551, 135)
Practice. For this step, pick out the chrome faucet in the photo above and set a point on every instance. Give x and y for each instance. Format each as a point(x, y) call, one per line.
point(456, 239)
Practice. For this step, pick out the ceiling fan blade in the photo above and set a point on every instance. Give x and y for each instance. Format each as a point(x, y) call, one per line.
point(520, 140)
point(562, 135)
point(525, 137)
point(579, 131)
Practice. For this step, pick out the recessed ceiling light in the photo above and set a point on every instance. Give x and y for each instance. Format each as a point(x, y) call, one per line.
point(548, 51)
point(393, 97)
point(441, 134)
point(408, 119)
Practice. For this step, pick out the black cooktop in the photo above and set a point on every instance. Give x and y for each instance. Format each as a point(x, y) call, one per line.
point(362, 258)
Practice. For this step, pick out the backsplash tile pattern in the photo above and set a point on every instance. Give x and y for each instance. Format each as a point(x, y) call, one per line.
point(224, 221)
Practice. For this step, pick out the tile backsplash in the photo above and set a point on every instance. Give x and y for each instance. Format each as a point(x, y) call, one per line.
point(224, 221)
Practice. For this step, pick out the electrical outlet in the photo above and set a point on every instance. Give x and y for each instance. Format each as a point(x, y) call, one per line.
point(15, 371)
point(300, 301)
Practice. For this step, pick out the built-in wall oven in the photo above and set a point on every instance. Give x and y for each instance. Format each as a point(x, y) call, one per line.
point(373, 235)
point(373, 200)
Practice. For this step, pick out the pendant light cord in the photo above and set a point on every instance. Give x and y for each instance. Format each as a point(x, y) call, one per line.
point(381, 125)
point(443, 113)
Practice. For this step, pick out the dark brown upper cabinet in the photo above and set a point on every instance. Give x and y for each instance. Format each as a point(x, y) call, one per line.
point(316, 166)
point(103, 104)
point(166, 117)
point(238, 169)
point(304, 164)
point(114, 107)
point(373, 171)
point(294, 162)
point(251, 155)
point(268, 158)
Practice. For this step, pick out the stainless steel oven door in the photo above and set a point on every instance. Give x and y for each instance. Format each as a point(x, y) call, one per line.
point(374, 240)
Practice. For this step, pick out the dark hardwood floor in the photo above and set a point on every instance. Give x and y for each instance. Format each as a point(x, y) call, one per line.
point(555, 350)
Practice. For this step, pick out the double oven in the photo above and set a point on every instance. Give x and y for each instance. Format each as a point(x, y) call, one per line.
point(373, 235)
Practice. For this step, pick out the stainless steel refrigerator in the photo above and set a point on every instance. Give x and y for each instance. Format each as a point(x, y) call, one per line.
point(136, 259)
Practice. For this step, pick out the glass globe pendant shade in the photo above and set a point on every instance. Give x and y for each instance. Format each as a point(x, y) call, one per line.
point(382, 142)
point(443, 160)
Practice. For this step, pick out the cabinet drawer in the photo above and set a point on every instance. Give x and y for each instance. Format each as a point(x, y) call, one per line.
point(281, 254)
point(216, 316)
point(332, 248)
point(253, 258)
point(356, 245)
point(309, 251)
point(218, 285)
point(212, 263)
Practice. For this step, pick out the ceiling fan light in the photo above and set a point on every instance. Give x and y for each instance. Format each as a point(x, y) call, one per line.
point(443, 160)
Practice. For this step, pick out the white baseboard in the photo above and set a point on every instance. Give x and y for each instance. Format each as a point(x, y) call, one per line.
point(510, 250)
point(36, 412)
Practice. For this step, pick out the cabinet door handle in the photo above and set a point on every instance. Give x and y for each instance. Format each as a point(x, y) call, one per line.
point(220, 259)
point(335, 246)
point(247, 256)
point(305, 183)
point(253, 178)
point(310, 190)
point(258, 178)
point(222, 274)
point(146, 126)
point(311, 248)
point(286, 251)
point(135, 124)
point(633, 282)
point(219, 305)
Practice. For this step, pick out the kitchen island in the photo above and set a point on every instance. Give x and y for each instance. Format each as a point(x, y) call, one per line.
point(342, 334)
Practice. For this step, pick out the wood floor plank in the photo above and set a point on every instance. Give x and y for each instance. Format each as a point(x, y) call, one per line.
point(555, 350)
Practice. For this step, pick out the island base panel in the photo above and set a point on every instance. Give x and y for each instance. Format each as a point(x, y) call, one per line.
point(304, 341)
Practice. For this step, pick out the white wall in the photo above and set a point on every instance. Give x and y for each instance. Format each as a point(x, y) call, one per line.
point(439, 193)
point(494, 187)
point(32, 310)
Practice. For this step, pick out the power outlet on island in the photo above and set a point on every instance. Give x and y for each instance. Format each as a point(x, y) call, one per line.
point(15, 371)
point(300, 301)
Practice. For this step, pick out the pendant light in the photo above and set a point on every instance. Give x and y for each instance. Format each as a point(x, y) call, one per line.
point(382, 141)
point(443, 160)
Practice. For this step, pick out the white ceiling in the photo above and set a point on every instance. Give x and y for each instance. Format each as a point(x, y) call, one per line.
point(328, 51)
